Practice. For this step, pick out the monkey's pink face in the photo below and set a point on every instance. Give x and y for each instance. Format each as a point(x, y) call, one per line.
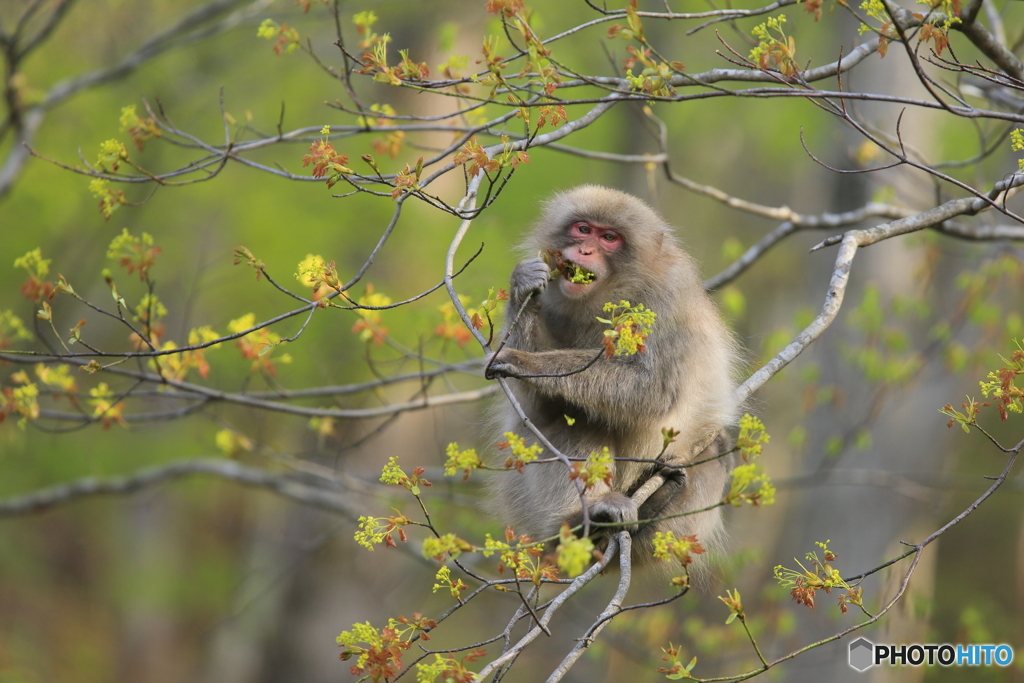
point(592, 247)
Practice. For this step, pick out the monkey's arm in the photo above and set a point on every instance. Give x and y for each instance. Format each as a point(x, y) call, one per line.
point(530, 276)
point(612, 390)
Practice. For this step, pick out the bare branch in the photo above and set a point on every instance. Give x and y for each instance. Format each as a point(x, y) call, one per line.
point(283, 485)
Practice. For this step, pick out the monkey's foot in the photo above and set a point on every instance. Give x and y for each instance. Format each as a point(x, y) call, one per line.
point(658, 503)
point(615, 508)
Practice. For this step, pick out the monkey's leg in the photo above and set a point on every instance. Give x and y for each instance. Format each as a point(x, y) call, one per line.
point(667, 483)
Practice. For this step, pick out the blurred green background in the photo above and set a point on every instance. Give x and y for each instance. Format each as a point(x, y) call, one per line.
point(204, 580)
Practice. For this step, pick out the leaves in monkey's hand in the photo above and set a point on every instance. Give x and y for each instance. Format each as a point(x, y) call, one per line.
point(631, 325)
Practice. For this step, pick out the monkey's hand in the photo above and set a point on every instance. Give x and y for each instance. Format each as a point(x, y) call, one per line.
point(615, 508)
point(505, 363)
point(658, 503)
point(530, 275)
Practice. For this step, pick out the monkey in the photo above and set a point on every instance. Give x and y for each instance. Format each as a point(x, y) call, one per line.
point(683, 380)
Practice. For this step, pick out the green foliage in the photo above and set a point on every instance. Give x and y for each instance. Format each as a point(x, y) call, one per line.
point(774, 50)
point(885, 357)
point(444, 578)
point(676, 671)
point(286, 39)
point(257, 345)
point(134, 254)
point(11, 329)
point(748, 484)
point(327, 163)
point(447, 545)
point(573, 554)
point(521, 556)
point(378, 651)
point(631, 325)
point(682, 549)
point(1017, 145)
point(519, 453)
point(733, 301)
point(805, 583)
point(448, 669)
point(752, 436)
point(369, 327)
point(395, 475)
point(466, 460)
point(735, 605)
point(1002, 386)
point(231, 443)
point(598, 467)
point(375, 530)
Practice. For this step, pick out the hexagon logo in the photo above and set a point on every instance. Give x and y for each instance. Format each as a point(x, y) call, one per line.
point(862, 654)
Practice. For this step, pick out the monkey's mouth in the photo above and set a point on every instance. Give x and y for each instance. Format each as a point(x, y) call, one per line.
point(576, 274)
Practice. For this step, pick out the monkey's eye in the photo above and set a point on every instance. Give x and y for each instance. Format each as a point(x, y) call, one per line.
point(580, 228)
point(610, 237)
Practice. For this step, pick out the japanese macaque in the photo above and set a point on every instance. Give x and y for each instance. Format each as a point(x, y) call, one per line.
point(683, 380)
